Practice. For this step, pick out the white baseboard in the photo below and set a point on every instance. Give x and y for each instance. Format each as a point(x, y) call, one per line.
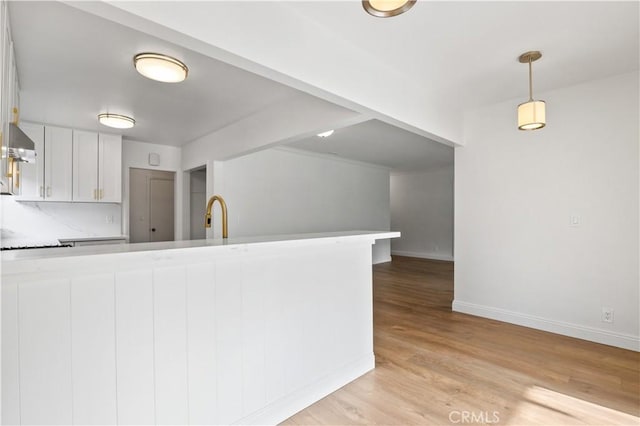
point(620, 340)
point(383, 260)
point(423, 255)
point(280, 410)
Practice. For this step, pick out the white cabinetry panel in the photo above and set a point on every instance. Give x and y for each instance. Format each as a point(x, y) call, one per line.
point(110, 168)
point(201, 340)
point(253, 336)
point(50, 177)
point(134, 331)
point(85, 166)
point(97, 167)
point(10, 361)
point(170, 330)
point(58, 151)
point(93, 349)
point(228, 311)
point(245, 334)
point(45, 352)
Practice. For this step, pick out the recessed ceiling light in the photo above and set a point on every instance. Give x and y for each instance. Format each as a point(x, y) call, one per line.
point(325, 134)
point(160, 67)
point(387, 8)
point(116, 121)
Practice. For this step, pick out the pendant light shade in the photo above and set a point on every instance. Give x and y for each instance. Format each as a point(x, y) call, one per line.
point(117, 121)
point(387, 8)
point(160, 67)
point(531, 114)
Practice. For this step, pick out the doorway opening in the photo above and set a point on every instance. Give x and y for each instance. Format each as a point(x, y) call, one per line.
point(151, 205)
point(197, 203)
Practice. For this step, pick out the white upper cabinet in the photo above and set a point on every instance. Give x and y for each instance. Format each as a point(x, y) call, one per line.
point(49, 179)
point(58, 143)
point(85, 166)
point(110, 168)
point(97, 167)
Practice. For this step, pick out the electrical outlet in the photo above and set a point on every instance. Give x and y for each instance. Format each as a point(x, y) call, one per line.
point(109, 219)
point(607, 315)
point(575, 220)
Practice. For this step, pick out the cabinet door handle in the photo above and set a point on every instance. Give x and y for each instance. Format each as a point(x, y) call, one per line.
point(41, 191)
point(48, 191)
point(95, 194)
point(101, 194)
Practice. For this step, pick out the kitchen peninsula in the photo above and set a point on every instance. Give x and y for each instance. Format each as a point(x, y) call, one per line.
point(245, 330)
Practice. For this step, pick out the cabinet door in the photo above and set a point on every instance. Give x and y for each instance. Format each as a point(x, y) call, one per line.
point(85, 166)
point(32, 174)
point(110, 168)
point(58, 149)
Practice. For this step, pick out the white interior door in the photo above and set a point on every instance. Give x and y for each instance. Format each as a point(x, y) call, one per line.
point(161, 209)
point(151, 205)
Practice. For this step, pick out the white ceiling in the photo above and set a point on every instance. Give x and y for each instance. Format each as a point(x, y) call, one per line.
point(465, 53)
point(420, 70)
point(423, 68)
point(378, 143)
point(73, 65)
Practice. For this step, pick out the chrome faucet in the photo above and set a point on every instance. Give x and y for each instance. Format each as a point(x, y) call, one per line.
point(207, 217)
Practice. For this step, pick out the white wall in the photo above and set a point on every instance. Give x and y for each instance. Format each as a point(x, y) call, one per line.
point(518, 256)
point(422, 210)
point(285, 191)
point(136, 154)
point(197, 203)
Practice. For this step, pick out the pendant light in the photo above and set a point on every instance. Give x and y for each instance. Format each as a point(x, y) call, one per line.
point(531, 114)
point(159, 67)
point(117, 121)
point(387, 8)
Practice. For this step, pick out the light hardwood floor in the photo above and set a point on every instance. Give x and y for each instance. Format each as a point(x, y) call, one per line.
point(435, 366)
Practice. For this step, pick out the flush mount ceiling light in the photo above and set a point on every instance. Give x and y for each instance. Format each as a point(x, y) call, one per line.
point(531, 114)
point(325, 134)
point(160, 67)
point(387, 8)
point(116, 121)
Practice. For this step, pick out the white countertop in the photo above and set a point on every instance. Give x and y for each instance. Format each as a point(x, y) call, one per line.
point(82, 239)
point(66, 252)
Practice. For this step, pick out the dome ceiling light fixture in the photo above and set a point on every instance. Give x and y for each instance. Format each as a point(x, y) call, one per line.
point(531, 114)
point(387, 8)
point(117, 121)
point(159, 67)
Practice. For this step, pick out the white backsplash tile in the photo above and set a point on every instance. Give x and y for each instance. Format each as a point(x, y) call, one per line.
point(46, 220)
